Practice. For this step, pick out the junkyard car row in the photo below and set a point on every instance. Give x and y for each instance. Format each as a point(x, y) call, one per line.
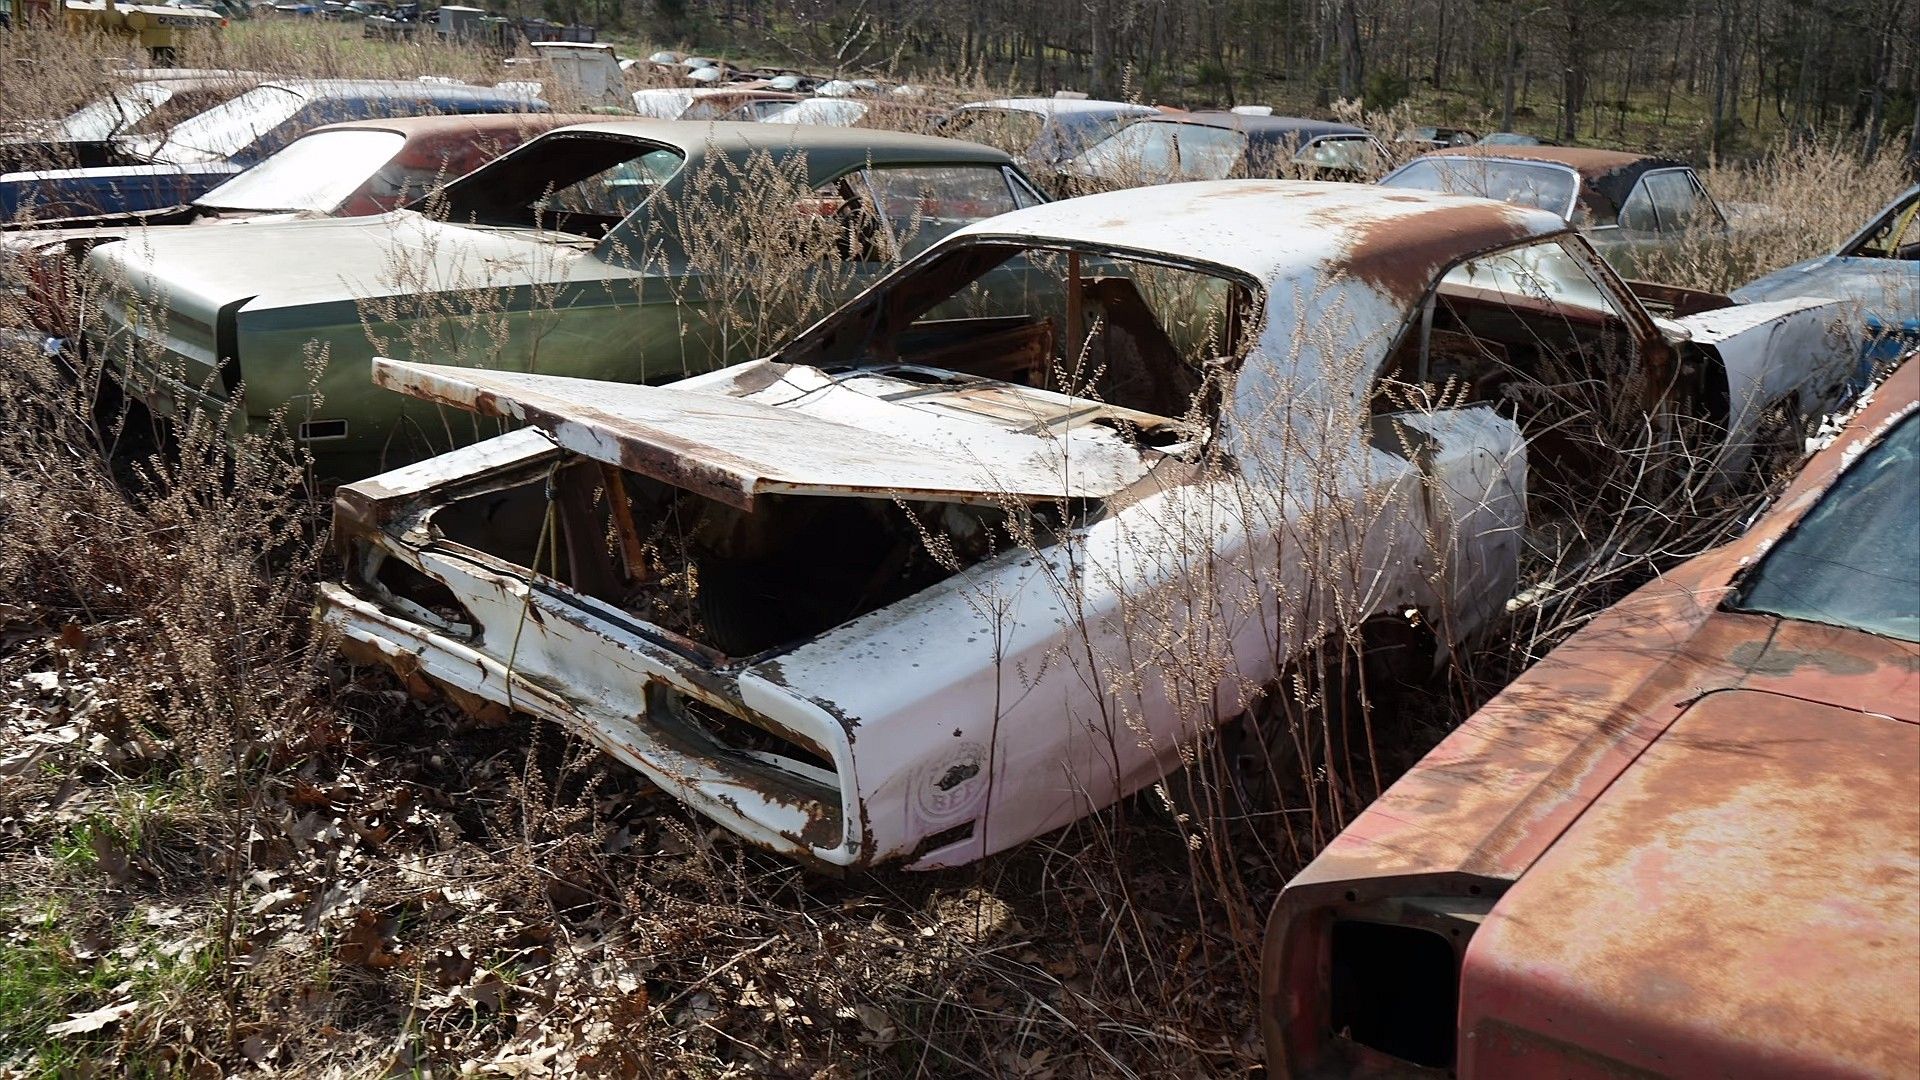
point(874, 594)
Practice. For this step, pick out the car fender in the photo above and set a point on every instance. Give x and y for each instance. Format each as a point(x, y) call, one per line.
point(1794, 350)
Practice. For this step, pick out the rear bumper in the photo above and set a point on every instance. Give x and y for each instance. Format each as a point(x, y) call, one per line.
point(625, 719)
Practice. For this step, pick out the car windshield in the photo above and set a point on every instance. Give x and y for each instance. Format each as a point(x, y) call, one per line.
point(1152, 151)
point(1545, 187)
point(1851, 561)
point(316, 173)
point(1895, 236)
point(832, 112)
point(222, 131)
point(97, 122)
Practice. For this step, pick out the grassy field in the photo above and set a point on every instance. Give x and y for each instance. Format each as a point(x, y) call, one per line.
point(224, 851)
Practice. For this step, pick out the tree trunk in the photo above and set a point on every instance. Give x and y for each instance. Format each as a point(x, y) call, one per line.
point(1513, 61)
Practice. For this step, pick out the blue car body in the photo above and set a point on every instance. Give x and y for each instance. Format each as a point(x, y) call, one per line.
point(1878, 268)
point(204, 151)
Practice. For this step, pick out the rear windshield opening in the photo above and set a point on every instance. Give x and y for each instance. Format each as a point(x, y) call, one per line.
point(1147, 337)
point(578, 184)
point(729, 581)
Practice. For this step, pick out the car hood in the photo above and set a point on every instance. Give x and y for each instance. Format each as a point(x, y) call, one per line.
point(339, 259)
point(1889, 288)
point(1646, 937)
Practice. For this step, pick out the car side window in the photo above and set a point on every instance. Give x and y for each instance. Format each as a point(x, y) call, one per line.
point(1636, 214)
point(1207, 153)
point(617, 191)
point(1677, 201)
point(925, 202)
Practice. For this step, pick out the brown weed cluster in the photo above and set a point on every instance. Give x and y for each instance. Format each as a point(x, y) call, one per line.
point(223, 850)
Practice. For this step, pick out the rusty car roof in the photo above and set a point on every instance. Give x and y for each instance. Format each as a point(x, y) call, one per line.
point(1283, 231)
point(1606, 176)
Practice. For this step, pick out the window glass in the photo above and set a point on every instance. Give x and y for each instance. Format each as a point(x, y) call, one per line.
point(1011, 130)
point(1851, 562)
point(315, 173)
point(1543, 187)
point(1352, 153)
point(1897, 235)
point(1159, 152)
point(1676, 201)
point(1544, 273)
point(224, 130)
point(617, 191)
point(98, 121)
point(1637, 212)
point(1207, 153)
point(923, 202)
point(661, 104)
point(832, 112)
point(758, 111)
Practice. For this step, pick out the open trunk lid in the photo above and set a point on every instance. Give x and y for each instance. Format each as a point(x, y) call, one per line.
point(889, 431)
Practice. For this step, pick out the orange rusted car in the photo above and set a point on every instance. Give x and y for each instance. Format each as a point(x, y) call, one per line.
point(1687, 843)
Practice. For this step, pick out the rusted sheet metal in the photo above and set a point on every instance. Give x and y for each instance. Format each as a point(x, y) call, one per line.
point(1744, 901)
point(813, 435)
point(1719, 809)
point(1296, 236)
point(1491, 797)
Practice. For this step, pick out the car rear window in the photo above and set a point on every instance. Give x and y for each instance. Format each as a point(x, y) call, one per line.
point(1852, 560)
point(1544, 187)
point(316, 173)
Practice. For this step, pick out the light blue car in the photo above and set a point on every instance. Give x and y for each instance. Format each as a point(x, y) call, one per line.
point(1879, 268)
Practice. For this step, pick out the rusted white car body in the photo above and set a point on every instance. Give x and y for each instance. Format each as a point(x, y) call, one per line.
point(1027, 680)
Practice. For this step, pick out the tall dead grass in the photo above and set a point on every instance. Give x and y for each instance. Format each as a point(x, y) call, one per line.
point(235, 854)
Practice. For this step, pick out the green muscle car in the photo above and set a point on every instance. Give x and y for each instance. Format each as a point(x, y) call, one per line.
point(628, 250)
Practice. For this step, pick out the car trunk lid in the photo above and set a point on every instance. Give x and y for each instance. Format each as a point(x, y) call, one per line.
point(798, 430)
point(1745, 898)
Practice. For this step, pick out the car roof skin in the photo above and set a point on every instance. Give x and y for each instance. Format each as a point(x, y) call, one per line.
point(1280, 232)
point(409, 88)
point(831, 144)
point(1262, 127)
point(423, 127)
point(1046, 106)
point(1607, 176)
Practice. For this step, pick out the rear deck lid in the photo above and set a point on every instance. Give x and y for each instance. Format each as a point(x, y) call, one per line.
point(1744, 900)
point(799, 430)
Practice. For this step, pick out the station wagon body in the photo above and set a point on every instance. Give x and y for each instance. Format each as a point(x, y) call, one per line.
point(867, 600)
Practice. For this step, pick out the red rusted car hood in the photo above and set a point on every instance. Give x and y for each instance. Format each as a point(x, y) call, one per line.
point(1744, 901)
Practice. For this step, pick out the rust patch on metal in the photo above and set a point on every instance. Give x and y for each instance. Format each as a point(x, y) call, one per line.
point(1403, 254)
